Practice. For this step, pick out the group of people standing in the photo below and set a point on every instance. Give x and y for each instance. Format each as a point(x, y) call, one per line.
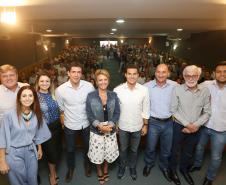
point(30, 118)
point(183, 117)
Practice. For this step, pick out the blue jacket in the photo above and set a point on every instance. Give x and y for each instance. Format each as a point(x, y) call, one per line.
point(94, 110)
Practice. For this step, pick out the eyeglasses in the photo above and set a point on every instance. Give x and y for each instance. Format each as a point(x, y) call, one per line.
point(191, 76)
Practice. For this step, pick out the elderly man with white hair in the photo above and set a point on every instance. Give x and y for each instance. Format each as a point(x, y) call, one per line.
point(190, 108)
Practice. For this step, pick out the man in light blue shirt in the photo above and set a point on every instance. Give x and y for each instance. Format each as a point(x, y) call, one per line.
point(215, 129)
point(71, 97)
point(160, 122)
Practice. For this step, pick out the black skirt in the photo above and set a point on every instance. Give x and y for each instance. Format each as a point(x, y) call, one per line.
point(53, 147)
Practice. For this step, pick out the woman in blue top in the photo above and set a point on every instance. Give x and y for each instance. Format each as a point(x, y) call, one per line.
point(102, 107)
point(21, 130)
point(51, 115)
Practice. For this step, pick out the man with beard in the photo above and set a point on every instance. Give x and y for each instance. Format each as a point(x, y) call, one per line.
point(215, 129)
point(191, 108)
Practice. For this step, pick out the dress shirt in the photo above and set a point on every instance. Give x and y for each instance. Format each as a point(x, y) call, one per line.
point(217, 120)
point(134, 106)
point(73, 103)
point(160, 98)
point(191, 106)
point(8, 98)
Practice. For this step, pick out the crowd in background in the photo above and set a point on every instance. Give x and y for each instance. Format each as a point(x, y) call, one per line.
point(93, 57)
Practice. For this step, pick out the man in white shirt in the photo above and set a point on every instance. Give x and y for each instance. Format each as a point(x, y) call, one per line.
point(8, 91)
point(133, 121)
point(8, 88)
point(71, 97)
point(215, 129)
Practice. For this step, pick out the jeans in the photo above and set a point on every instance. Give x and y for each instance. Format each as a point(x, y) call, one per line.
point(70, 137)
point(129, 143)
point(217, 141)
point(163, 131)
point(185, 145)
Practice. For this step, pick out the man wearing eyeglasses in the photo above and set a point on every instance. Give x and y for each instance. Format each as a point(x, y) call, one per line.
point(191, 108)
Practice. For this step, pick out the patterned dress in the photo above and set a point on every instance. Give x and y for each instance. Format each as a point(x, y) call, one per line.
point(103, 147)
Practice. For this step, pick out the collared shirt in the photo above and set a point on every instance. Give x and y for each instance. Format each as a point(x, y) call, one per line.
point(134, 106)
point(73, 103)
point(160, 98)
point(217, 120)
point(8, 98)
point(191, 106)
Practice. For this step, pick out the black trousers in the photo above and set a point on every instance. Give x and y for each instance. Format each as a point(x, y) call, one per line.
point(183, 146)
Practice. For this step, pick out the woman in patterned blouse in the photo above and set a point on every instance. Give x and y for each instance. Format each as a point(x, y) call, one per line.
point(51, 114)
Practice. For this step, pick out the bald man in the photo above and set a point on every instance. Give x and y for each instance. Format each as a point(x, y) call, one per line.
point(160, 122)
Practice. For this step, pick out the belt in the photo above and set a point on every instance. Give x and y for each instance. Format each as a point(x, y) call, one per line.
point(162, 119)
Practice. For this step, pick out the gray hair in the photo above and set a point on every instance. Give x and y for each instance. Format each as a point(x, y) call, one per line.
point(192, 68)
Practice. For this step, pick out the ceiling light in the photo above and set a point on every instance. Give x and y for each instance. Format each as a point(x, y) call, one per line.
point(8, 16)
point(120, 21)
point(149, 40)
point(49, 31)
point(175, 47)
point(113, 29)
point(112, 33)
point(45, 47)
point(66, 41)
point(179, 29)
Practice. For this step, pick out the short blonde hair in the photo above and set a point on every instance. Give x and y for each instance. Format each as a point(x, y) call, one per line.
point(7, 67)
point(102, 72)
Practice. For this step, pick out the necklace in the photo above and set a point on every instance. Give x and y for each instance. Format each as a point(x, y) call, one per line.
point(28, 116)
